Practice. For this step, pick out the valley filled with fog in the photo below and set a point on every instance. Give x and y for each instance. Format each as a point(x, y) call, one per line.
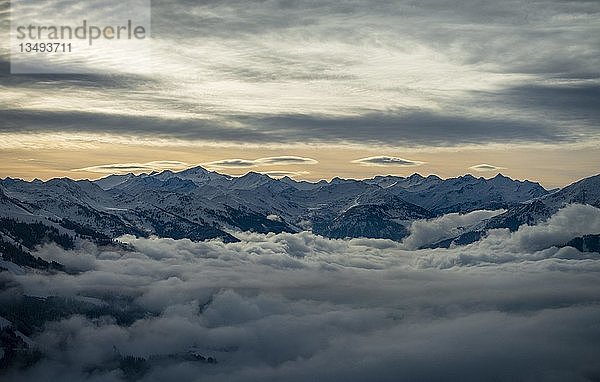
point(513, 306)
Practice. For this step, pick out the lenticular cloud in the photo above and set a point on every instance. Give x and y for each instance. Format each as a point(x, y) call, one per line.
point(299, 307)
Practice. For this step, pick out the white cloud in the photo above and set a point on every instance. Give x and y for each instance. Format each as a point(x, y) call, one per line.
point(268, 161)
point(230, 163)
point(486, 167)
point(423, 232)
point(297, 307)
point(285, 160)
point(384, 160)
point(281, 174)
point(572, 221)
point(528, 243)
point(124, 168)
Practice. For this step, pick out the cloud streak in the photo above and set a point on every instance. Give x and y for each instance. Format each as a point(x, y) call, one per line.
point(284, 160)
point(124, 168)
point(385, 161)
point(281, 174)
point(486, 167)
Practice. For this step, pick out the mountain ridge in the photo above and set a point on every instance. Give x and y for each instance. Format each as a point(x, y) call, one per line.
point(200, 204)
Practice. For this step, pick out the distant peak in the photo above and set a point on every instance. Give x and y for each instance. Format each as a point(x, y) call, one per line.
point(500, 176)
point(195, 170)
point(416, 176)
point(254, 174)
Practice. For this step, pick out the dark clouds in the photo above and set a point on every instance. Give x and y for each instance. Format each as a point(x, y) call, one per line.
point(545, 37)
point(299, 307)
point(402, 128)
point(562, 102)
point(432, 73)
point(409, 127)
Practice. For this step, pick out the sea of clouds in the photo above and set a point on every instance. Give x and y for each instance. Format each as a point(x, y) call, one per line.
point(300, 307)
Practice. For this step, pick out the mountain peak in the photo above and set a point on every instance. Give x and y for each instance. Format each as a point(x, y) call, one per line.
point(253, 178)
point(194, 170)
point(255, 175)
point(225, 201)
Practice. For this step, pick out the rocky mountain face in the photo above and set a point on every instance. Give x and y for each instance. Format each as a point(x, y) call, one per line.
point(200, 204)
point(539, 209)
point(585, 191)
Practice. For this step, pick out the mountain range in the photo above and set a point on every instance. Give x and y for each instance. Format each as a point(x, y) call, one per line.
point(199, 204)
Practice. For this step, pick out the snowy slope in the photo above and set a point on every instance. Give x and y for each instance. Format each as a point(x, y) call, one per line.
point(201, 204)
point(113, 181)
point(585, 191)
point(465, 193)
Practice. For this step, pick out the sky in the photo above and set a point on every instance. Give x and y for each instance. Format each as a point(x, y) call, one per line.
point(352, 88)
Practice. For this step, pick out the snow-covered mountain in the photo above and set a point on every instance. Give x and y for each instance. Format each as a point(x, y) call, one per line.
point(465, 193)
point(534, 211)
point(200, 204)
point(388, 219)
point(585, 191)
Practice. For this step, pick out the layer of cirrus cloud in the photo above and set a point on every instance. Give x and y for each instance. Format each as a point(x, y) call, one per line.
point(274, 72)
point(297, 307)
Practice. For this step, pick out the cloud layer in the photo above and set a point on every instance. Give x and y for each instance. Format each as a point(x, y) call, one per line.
point(368, 74)
point(299, 307)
